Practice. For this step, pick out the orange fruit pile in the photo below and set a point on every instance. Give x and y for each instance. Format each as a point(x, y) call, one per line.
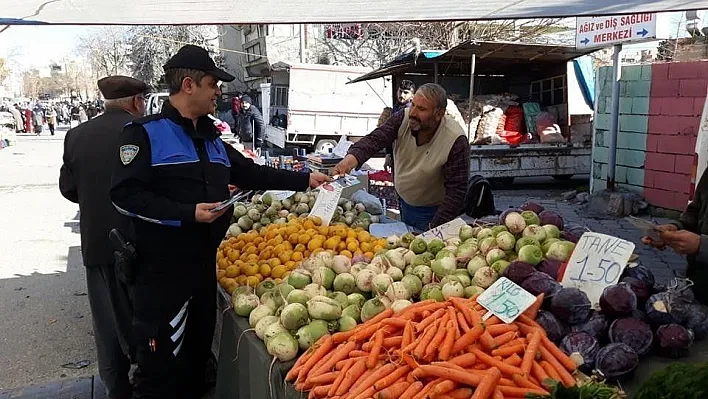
point(277, 249)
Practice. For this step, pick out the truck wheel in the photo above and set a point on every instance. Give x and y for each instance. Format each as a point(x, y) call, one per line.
point(325, 146)
point(562, 177)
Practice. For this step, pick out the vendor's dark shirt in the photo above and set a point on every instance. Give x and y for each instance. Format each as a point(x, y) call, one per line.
point(455, 170)
point(695, 220)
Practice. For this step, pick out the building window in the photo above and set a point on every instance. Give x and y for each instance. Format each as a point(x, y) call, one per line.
point(280, 96)
point(254, 52)
point(549, 91)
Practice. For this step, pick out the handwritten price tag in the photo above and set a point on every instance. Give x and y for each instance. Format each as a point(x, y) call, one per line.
point(326, 202)
point(444, 231)
point(597, 261)
point(506, 300)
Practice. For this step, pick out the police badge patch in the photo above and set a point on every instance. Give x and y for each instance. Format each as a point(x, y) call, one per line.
point(128, 153)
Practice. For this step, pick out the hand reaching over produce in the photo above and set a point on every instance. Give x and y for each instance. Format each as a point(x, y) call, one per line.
point(682, 241)
point(346, 165)
point(317, 179)
point(660, 244)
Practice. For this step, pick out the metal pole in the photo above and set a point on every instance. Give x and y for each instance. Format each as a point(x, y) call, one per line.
point(302, 43)
point(469, 106)
point(614, 117)
point(436, 72)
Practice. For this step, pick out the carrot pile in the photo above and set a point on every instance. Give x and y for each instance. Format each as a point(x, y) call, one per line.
point(434, 350)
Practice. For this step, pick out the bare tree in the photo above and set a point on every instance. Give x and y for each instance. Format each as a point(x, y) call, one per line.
point(152, 46)
point(375, 44)
point(4, 71)
point(107, 50)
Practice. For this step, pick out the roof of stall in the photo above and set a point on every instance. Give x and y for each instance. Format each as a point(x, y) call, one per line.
point(493, 58)
point(167, 12)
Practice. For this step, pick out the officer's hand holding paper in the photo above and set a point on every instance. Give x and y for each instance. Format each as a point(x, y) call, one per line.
point(206, 213)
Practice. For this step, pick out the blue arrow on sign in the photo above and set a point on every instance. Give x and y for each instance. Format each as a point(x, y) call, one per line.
point(585, 41)
point(644, 32)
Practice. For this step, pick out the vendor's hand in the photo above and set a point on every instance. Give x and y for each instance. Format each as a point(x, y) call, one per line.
point(317, 179)
point(203, 213)
point(683, 242)
point(388, 163)
point(659, 244)
point(345, 165)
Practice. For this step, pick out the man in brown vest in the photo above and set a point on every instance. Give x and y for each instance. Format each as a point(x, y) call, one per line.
point(432, 158)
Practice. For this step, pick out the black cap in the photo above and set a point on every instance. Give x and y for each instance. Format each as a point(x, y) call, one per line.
point(246, 99)
point(195, 57)
point(118, 86)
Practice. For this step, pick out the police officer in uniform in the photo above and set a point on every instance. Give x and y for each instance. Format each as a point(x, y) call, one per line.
point(172, 171)
point(85, 178)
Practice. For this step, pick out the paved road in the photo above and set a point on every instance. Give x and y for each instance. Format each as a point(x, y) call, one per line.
point(44, 310)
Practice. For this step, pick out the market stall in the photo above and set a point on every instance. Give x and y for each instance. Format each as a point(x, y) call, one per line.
point(527, 108)
point(622, 327)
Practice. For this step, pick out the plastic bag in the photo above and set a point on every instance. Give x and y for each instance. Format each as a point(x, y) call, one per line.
point(548, 130)
point(371, 203)
point(489, 122)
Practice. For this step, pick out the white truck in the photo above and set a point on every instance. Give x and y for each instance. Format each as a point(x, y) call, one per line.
point(310, 105)
point(154, 101)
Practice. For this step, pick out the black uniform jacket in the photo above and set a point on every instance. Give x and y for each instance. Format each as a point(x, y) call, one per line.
point(85, 178)
point(165, 167)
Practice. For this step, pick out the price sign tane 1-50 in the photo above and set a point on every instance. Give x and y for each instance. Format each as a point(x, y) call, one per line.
point(506, 300)
point(597, 261)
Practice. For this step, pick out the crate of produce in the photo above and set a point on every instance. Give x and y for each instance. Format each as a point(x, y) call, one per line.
point(381, 185)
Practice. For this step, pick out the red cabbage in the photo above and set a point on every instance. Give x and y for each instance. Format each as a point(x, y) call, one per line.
point(618, 300)
point(539, 282)
point(659, 310)
point(596, 326)
point(570, 236)
point(635, 333)
point(555, 329)
point(571, 306)
point(518, 271)
point(550, 267)
point(532, 206)
point(581, 344)
point(550, 217)
point(673, 340)
point(640, 272)
point(616, 361)
point(640, 288)
point(696, 319)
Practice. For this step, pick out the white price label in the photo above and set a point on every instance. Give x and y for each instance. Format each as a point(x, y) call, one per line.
point(444, 231)
point(326, 202)
point(597, 262)
point(506, 300)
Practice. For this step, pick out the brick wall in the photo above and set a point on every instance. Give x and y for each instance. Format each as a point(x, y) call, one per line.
point(660, 110)
point(635, 87)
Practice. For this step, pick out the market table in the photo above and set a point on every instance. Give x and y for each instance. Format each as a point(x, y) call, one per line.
point(243, 373)
point(246, 376)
